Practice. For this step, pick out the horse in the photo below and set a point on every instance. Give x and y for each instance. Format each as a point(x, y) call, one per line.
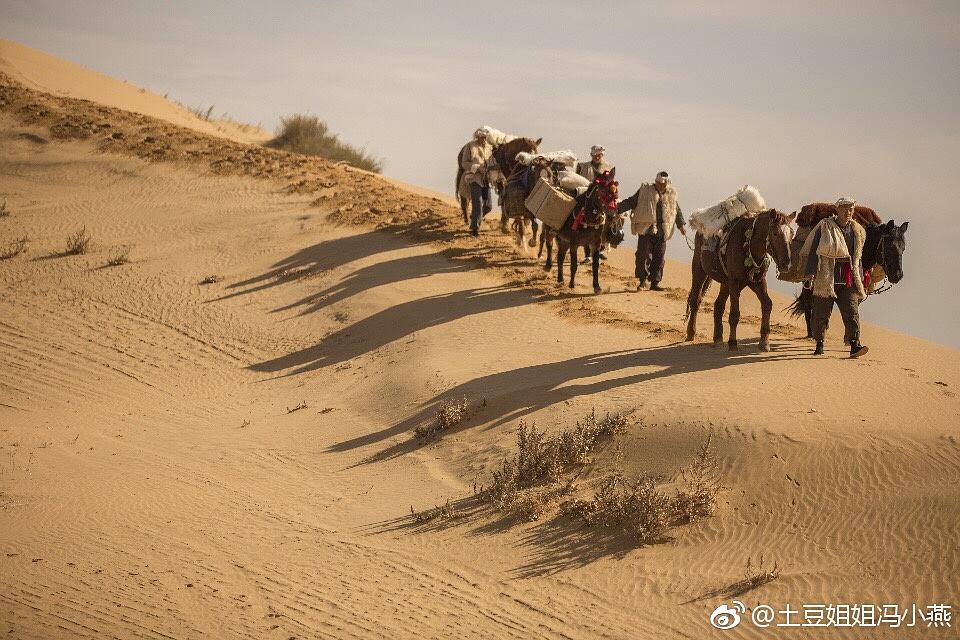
point(514, 197)
point(882, 257)
point(750, 241)
point(505, 155)
point(594, 221)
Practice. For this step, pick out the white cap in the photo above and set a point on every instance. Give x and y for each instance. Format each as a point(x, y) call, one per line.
point(595, 149)
point(663, 177)
point(844, 201)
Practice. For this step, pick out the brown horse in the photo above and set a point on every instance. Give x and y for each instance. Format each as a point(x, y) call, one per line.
point(749, 243)
point(593, 223)
point(505, 155)
point(514, 198)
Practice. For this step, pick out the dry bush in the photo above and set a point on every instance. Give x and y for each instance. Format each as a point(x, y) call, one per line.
point(755, 575)
point(577, 444)
point(449, 416)
point(311, 136)
point(210, 279)
point(4, 211)
point(299, 407)
point(14, 248)
point(442, 512)
point(702, 486)
point(200, 112)
point(122, 256)
point(78, 243)
point(637, 508)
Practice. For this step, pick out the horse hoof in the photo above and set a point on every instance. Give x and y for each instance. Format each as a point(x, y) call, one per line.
point(764, 346)
point(733, 346)
point(718, 344)
point(597, 290)
point(572, 286)
point(689, 338)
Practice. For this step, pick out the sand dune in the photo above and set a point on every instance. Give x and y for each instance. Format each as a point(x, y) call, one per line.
point(158, 480)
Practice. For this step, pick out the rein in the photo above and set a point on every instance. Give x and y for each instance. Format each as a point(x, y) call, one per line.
point(886, 284)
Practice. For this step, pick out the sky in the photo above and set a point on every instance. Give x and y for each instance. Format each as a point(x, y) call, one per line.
point(807, 101)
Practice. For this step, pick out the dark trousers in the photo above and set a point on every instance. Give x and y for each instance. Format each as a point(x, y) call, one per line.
point(848, 300)
point(479, 203)
point(651, 250)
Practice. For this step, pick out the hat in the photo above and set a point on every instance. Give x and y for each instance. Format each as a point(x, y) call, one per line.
point(844, 201)
point(595, 149)
point(663, 177)
point(482, 131)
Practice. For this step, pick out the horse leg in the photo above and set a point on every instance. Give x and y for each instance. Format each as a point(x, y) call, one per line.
point(595, 256)
point(573, 264)
point(734, 319)
point(718, 308)
point(697, 290)
point(535, 226)
point(766, 307)
point(561, 254)
point(463, 208)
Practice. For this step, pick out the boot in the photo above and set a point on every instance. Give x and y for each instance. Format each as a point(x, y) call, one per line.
point(655, 286)
point(857, 349)
point(819, 350)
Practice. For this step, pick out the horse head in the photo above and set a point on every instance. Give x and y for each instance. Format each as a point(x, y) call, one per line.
point(892, 244)
point(603, 198)
point(779, 237)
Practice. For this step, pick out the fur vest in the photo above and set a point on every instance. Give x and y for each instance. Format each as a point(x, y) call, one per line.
point(588, 171)
point(833, 246)
point(644, 214)
point(474, 158)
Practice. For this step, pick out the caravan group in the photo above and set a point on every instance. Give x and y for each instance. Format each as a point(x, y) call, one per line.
point(577, 204)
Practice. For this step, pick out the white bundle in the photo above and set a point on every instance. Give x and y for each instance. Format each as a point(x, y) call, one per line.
point(495, 136)
point(573, 181)
point(565, 157)
point(524, 158)
point(711, 220)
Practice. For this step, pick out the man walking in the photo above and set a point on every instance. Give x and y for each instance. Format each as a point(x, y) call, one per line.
point(654, 214)
point(834, 264)
point(474, 158)
point(590, 170)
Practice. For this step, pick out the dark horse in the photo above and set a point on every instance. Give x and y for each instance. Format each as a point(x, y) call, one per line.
point(749, 242)
point(505, 155)
point(882, 253)
point(594, 221)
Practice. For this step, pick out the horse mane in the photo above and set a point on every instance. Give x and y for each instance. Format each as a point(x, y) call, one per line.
point(506, 153)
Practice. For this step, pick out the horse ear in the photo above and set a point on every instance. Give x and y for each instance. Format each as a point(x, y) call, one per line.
point(889, 226)
point(538, 141)
point(903, 228)
point(613, 173)
point(791, 217)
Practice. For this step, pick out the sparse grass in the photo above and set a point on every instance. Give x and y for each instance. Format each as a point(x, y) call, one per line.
point(200, 112)
point(311, 136)
point(122, 256)
point(440, 512)
point(755, 575)
point(14, 248)
point(702, 486)
point(210, 279)
point(4, 211)
point(449, 416)
point(78, 243)
point(302, 405)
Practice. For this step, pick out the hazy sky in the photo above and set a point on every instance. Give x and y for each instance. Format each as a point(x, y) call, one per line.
point(807, 102)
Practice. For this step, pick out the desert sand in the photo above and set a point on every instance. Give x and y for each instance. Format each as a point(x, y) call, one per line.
point(236, 458)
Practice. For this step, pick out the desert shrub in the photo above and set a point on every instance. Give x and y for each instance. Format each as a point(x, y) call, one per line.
point(14, 248)
point(311, 136)
point(78, 243)
point(449, 416)
point(4, 211)
point(200, 112)
point(122, 256)
point(637, 508)
point(210, 279)
point(698, 498)
point(576, 444)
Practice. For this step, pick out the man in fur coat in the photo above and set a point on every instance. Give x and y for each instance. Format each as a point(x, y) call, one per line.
point(654, 212)
point(475, 157)
point(590, 170)
point(835, 252)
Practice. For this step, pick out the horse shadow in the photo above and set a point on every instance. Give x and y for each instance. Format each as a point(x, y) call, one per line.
point(323, 256)
point(395, 323)
point(511, 395)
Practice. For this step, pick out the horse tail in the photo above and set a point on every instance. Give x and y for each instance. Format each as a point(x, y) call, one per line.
point(803, 303)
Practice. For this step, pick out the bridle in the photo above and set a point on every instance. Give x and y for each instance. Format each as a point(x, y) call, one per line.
point(882, 261)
